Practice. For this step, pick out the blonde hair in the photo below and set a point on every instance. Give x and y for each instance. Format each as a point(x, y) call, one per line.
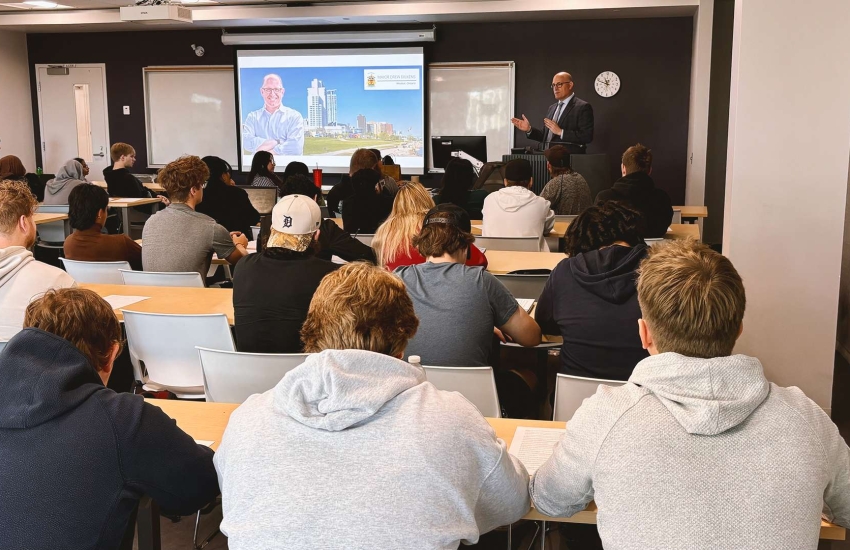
point(395, 235)
point(119, 150)
point(16, 200)
point(360, 306)
point(691, 298)
point(362, 159)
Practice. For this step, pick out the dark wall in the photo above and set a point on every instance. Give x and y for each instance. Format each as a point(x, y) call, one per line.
point(651, 56)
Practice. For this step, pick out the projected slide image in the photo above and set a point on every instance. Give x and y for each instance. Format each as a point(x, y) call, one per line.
point(321, 114)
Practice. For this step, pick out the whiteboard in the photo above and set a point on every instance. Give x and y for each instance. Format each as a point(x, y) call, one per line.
point(190, 111)
point(472, 99)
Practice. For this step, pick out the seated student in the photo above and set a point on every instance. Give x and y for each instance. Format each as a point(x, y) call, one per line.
point(590, 298)
point(180, 239)
point(361, 159)
point(515, 211)
point(698, 438)
point(119, 181)
point(11, 168)
point(567, 191)
point(228, 205)
point(332, 241)
point(21, 276)
point(76, 457)
point(87, 206)
point(637, 189)
point(393, 241)
point(456, 188)
point(354, 449)
point(67, 178)
point(262, 171)
point(295, 168)
point(368, 205)
point(272, 289)
point(458, 306)
point(389, 184)
point(85, 166)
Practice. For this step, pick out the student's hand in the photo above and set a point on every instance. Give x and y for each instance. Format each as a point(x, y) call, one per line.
point(553, 126)
point(505, 338)
point(239, 238)
point(267, 145)
point(164, 200)
point(523, 124)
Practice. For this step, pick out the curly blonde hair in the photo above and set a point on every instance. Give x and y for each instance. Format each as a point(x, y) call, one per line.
point(395, 235)
point(16, 200)
point(182, 175)
point(360, 306)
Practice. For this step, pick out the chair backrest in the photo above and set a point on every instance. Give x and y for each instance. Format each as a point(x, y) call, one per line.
point(107, 273)
point(232, 377)
point(54, 232)
point(165, 344)
point(262, 198)
point(391, 170)
point(565, 217)
point(3, 345)
point(325, 212)
point(515, 244)
point(155, 278)
point(524, 286)
point(53, 208)
point(477, 384)
point(255, 232)
point(365, 238)
point(571, 391)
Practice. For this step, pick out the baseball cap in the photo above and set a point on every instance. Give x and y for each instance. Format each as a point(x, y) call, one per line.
point(558, 156)
point(295, 219)
point(518, 170)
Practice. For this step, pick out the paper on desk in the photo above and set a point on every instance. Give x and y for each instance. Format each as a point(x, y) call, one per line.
point(204, 442)
point(534, 446)
point(118, 301)
point(128, 201)
point(481, 227)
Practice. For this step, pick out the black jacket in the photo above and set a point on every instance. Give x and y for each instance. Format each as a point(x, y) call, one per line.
point(75, 457)
point(591, 301)
point(36, 186)
point(121, 183)
point(638, 190)
point(365, 210)
point(230, 207)
point(339, 193)
point(333, 241)
point(576, 121)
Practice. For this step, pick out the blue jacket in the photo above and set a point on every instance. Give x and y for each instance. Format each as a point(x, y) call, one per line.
point(75, 457)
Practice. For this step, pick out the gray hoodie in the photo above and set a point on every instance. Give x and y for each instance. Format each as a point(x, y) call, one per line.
point(355, 450)
point(700, 453)
point(58, 189)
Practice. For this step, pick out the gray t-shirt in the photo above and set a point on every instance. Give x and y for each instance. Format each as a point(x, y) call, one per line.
point(457, 307)
point(180, 239)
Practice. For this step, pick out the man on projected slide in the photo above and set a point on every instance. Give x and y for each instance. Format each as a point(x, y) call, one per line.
point(274, 128)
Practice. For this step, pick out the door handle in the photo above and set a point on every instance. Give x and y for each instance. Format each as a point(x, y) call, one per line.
point(98, 154)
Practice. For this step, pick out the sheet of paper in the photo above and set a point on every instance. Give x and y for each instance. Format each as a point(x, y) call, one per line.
point(337, 260)
point(534, 446)
point(204, 442)
point(481, 227)
point(118, 301)
point(526, 304)
point(126, 201)
point(482, 249)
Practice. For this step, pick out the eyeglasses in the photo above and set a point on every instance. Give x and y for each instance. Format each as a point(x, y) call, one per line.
point(558, 84)
point(277, 91)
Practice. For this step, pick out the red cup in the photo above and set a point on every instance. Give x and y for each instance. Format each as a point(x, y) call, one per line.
point(317, 177)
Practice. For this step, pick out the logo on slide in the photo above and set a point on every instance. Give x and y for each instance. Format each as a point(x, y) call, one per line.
point(391, 79)
point(287, 221)
point(371, 80)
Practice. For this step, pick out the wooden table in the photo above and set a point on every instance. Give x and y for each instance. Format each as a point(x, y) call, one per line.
point(558, 231)
point(155, 187)
point(41, 217)
point(125, 204)
point(692, 211)
point(500, 262)
point(169, 299)
point(207, 421)
point(680, 231)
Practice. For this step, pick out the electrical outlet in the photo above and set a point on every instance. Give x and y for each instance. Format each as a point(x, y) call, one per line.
point(126, 109)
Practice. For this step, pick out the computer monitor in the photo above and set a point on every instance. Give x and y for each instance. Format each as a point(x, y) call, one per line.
point(442, 148)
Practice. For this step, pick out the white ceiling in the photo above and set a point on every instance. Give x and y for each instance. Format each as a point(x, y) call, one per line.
point(103, 15)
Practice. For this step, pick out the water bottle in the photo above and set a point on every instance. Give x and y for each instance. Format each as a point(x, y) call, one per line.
point(415, 360)
point(39, 171)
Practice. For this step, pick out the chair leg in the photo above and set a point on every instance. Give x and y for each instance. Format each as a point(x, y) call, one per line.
point(195, 544)
point(147, 523)
point(542, 535)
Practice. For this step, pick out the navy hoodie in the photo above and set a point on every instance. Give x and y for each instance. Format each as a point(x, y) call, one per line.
point(591, 301)
point(75, 457)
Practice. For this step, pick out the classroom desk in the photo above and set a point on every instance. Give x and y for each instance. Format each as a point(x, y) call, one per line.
point(692, 211)
point(125, 204)
point(500, 262)
point(169, 299)
point(558, 231)
point(207, 421)
point(41, 217)
point(155, 187)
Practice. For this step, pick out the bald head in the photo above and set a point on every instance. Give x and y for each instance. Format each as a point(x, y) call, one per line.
point(562, 85)
point(272, 92)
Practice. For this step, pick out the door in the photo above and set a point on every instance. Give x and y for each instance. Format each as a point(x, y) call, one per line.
point(72, 117)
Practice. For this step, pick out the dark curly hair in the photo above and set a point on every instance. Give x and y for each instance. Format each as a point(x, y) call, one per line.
point(603, 225)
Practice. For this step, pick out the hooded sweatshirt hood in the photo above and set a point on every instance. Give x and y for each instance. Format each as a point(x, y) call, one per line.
point(12, 259)
point(71, 172)
point(705, 396)
point(336, 389)
point(609, 273)
point(43, 377)
point(513, 198)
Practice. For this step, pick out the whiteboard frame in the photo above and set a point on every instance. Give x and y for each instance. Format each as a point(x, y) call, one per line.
point(171, 69)
point(429, 169)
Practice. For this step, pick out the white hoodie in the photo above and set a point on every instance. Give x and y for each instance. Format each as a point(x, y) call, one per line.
point(517, 212)
point(355, 450)
point(700, 453)
point(21, 279)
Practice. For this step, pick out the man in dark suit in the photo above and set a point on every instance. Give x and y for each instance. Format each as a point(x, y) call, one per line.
point(568, 122)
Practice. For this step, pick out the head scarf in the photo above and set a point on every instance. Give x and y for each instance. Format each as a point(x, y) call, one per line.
point(11, 168)
point(72, 171)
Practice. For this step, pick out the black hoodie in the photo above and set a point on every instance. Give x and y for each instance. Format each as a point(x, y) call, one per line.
point(591, 301)
point(75, 457)
point(365, 210)
point(638, 190)
point(121, 183)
